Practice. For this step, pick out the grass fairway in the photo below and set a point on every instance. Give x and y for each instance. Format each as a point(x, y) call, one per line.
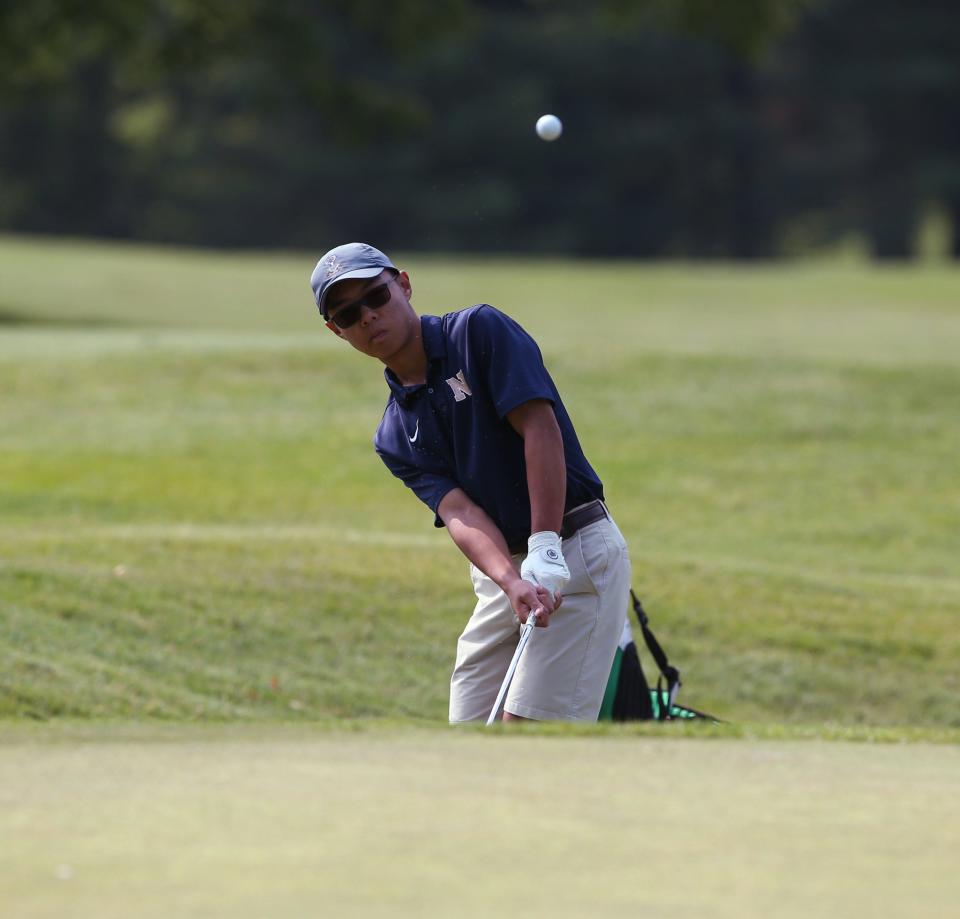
point(193, 524)
point(392, 821)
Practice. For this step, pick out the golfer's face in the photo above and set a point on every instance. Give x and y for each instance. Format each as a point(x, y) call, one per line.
point(372, 314)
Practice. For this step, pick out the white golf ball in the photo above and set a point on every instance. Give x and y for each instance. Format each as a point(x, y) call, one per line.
point(549, 127)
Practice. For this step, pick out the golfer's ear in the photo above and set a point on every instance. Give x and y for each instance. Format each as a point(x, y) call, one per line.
point(403, 279)
point(333, 327)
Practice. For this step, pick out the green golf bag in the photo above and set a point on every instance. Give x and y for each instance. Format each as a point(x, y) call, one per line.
point(628, 696)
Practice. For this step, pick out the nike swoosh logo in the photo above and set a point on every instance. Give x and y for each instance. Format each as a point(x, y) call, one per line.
point(416, 433)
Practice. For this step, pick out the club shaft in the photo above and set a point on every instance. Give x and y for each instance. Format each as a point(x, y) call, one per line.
point(525, 634)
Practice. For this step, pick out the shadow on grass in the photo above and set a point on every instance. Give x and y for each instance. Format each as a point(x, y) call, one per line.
point(15, 730)
point(12, 319)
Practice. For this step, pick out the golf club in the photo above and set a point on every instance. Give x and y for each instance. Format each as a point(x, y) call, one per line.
point(525, 634)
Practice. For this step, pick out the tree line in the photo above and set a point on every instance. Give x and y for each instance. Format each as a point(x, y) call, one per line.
point(692, 128)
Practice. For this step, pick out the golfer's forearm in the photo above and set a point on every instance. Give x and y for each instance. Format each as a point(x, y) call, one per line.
point(477, 537)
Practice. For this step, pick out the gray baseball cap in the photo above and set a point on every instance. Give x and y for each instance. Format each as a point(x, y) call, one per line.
point(353, 260)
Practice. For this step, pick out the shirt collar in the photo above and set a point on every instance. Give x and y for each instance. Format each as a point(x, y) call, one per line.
point(431, 333)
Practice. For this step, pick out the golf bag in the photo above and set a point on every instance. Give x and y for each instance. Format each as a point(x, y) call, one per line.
point(628, 696)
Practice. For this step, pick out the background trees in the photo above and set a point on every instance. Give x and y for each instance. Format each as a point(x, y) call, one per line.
point(693, 128)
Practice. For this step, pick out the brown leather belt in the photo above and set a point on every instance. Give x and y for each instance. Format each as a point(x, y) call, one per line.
point(573, 520)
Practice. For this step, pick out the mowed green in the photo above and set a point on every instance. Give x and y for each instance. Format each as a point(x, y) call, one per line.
point(252, 821)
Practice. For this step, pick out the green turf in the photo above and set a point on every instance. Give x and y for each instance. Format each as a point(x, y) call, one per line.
point(193, 524)
point(282, 821)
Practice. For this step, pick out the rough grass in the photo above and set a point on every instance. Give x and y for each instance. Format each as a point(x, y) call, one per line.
point(193, 524)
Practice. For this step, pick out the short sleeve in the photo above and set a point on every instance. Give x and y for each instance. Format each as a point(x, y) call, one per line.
point(508, 360)
point(429, 487)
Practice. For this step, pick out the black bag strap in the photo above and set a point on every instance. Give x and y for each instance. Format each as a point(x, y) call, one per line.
point(670, 673)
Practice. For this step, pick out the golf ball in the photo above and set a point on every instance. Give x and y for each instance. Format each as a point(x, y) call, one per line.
point(549, 127)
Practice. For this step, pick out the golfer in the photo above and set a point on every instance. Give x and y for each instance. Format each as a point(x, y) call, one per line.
point(476, 428)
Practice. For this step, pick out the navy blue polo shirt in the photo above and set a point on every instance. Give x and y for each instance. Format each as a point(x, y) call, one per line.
point(452, 430)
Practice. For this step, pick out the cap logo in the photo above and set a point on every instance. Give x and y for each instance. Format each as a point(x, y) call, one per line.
point(331, 266)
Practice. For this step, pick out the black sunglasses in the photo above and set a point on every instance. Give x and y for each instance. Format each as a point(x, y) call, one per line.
point(375, 298)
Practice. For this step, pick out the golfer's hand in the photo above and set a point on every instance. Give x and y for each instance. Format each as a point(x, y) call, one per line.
point(544, 565)
point(526, 599)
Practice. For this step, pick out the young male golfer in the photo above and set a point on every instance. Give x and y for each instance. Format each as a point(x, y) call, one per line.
point(475, 427)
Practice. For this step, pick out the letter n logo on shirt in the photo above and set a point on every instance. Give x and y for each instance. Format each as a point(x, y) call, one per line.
point(459, 386)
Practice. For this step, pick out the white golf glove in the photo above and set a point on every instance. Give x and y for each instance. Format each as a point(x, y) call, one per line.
point(544, 564)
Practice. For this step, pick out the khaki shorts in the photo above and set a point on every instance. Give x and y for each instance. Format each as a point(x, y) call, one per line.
point(564, 670)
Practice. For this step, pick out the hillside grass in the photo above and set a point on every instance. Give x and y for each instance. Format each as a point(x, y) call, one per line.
point(193, 524)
